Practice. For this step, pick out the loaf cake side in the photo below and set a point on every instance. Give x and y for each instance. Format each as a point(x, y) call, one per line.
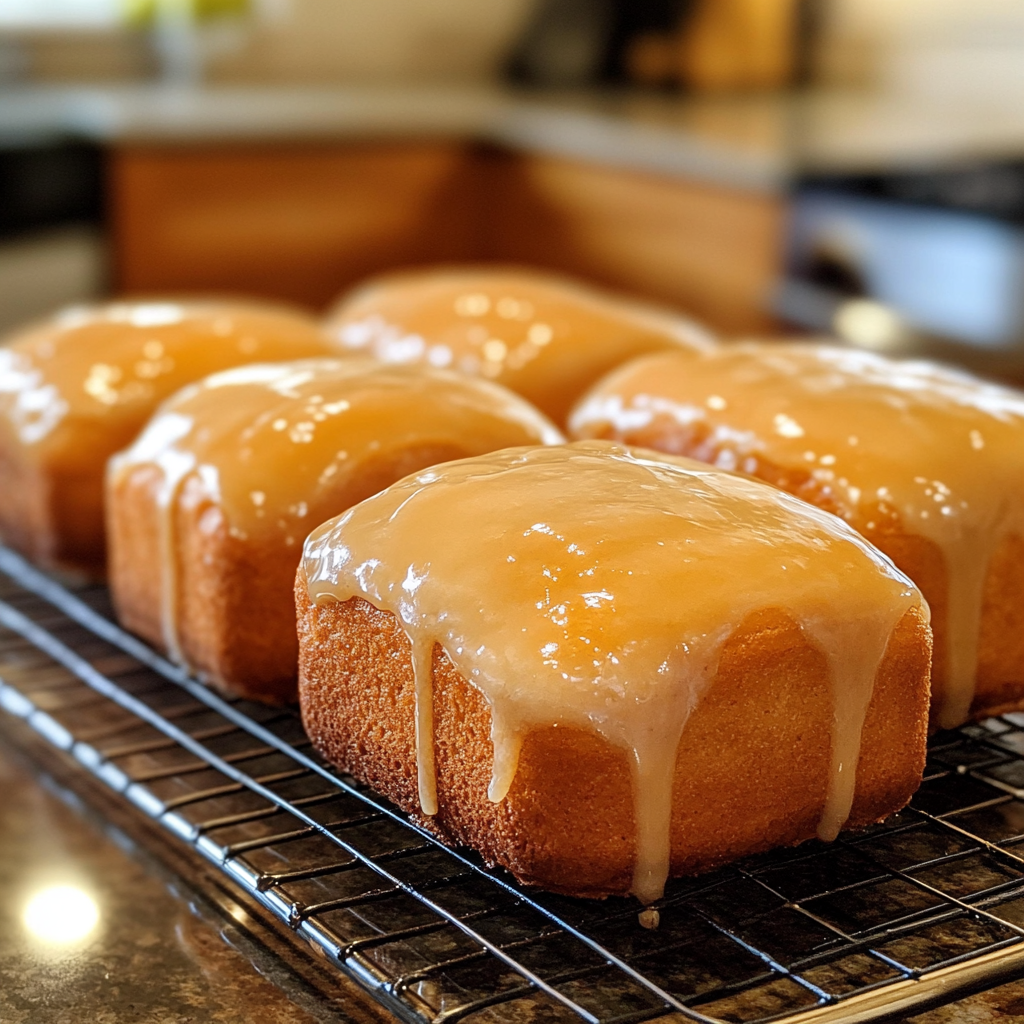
point(751, 768)
point(25, 511)
point(1000, 683)
point(51, 500)
point(235, 612)
point(133, 530)
point(227, 629)
point(999, 680)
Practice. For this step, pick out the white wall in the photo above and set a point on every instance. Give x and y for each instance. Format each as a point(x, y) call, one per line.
point(376, 40)
point(33, 14)
point(937, 48)
point(302, 41)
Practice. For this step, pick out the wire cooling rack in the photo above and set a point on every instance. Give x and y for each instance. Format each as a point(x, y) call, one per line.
point(909, 913)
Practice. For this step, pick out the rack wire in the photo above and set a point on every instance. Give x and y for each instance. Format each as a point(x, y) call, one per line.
point(903, 915)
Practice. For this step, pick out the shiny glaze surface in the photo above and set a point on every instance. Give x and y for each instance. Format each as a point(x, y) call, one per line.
point(112, 364)
point(544, 337)
point(872, 439)
point(279, 445)
point(619, 576)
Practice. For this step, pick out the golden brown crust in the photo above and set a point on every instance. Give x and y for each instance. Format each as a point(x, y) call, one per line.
point(135, 586)
point(751, 770)
point(1000, 678)
point(1000, 685)
point(24, 508)
point(236, 611)
point(51, 504)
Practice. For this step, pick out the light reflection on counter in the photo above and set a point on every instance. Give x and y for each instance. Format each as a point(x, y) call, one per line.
point(61, 915)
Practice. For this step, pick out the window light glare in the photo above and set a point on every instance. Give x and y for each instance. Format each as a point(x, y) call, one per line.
point(61, 14)
point(868, 324)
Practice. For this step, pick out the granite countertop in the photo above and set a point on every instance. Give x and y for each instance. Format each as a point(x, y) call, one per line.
point(157, 952)
point(758, 142)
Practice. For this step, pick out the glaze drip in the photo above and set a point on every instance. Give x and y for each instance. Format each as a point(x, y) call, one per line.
point(176, 471)
point(856, 650)
point(617, 577)
point(868, 437)
point(280, 447)
point(423, 681)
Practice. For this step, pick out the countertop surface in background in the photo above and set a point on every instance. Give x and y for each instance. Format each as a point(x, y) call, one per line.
point(762, 143)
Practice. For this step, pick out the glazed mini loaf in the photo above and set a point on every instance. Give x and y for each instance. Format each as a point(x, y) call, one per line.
point(927, 463)
point(80, 386)
point(601, 667)
point(209, 508)
point(543, 336)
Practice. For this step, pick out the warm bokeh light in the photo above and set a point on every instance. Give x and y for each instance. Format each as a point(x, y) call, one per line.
point(61, 914)
point(868, 324)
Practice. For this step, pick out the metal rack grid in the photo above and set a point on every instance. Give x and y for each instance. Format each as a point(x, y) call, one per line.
point(906, 914)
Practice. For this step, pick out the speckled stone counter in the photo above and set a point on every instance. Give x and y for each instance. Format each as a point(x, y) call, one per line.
point(999, 1006)
point(154, 955)
point(158, 953)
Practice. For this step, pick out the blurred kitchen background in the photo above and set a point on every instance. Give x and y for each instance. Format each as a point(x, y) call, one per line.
point(846, 166)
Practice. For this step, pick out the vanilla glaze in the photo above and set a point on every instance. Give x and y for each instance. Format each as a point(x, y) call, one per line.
point(595, 587)
point(280, 447)
point(870, 437)
point(546, 338)
point(116, 362)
